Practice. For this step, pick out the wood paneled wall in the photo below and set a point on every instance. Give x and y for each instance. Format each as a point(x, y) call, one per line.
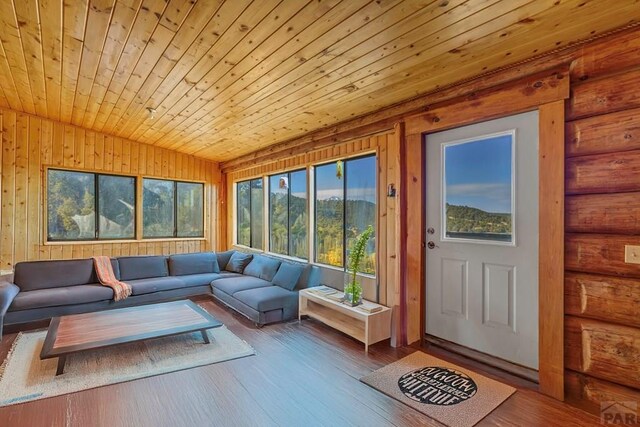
point(30, 143)
point(602, 291)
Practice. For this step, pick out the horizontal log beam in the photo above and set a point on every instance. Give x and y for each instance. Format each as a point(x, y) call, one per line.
point(521, 95)
point(600, 254)
point(614, 92)
point(588, 393)
point(603, 173)
point(607, 133)
point(617, 213)
point(603, 350)
point(604, 298)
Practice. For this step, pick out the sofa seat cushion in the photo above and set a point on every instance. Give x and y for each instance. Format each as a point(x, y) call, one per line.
point(194, 263)
point(267, 298)
point(155, 284)
point(231, 285)
point(142, 267)
point(191, 280)
point(66, 295)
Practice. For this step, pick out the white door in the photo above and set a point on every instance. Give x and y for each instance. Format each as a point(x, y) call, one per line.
point(482, 234)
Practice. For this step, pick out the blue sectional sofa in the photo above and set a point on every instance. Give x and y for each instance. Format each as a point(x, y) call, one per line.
point(45, 289)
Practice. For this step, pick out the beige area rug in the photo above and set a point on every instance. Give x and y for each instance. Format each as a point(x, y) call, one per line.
point(441, 390)
point(24, 377)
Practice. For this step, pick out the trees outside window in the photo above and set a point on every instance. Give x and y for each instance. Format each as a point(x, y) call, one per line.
point(75, 213)
point(172, 209)
point(250, 212)
point(345, 200)
point(288, 214)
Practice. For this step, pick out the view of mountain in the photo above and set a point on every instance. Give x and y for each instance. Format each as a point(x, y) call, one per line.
point(465, 219)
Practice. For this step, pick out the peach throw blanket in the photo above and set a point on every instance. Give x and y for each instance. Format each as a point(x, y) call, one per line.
point(104, 271)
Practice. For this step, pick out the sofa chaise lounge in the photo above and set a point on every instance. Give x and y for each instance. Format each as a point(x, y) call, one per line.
point(45, 289)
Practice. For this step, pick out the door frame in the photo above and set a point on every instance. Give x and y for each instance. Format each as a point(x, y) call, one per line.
point(545, 92)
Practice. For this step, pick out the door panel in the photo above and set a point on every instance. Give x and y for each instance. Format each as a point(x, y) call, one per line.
point(482, 221)
point(453, 286)
point(498, 285)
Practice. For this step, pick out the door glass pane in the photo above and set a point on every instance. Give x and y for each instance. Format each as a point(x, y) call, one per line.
point(257, 201)
point(360, 208)
point(70, 205)
point(157, 208)
point(190, 209)
point(279, 213)
point(478, 189)
point(116, 207)
point(298, 243)
point(244, 214)
point(329, 214)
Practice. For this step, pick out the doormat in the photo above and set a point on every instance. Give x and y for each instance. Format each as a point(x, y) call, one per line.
point(441, 390)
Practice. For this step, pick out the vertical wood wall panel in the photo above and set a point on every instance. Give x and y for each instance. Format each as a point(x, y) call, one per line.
point(30, 143)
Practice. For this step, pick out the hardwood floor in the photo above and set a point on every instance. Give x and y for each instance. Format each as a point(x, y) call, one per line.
point(303, 375)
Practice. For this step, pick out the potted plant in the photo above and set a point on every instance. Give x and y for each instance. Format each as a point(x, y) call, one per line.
point(353, 288)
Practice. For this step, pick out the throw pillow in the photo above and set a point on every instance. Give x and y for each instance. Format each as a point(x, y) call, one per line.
point(238, 262)
point(262, 267)
point(288, 275)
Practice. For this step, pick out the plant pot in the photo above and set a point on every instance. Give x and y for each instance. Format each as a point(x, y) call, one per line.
point(348, 298)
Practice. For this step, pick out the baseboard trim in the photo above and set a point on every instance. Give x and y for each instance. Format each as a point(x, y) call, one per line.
point(504, 365)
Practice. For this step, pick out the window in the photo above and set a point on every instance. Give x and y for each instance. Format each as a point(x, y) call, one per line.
point(477, 188)
point(172, 209)
point(345, 204)
point(249, 211)
point(75, 213)
point(288, 214)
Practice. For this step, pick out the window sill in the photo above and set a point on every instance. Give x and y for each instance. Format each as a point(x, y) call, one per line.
point(100, 242)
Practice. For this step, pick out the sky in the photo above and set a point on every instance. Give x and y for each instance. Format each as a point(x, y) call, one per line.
point(478, 174)
point(361, 180)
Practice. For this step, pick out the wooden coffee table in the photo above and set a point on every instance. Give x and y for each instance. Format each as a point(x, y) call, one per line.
point(90, 331)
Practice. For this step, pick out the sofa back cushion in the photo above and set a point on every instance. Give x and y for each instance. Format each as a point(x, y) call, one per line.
point(262, 267)
point(224, 257)
point(195, 263)
point(33, 275)
point(288, 275)
point(309, 278)
point(142, 267)
point(238, 262)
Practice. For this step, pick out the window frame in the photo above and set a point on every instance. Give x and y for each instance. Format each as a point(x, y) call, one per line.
point(175, 209)
point(344, 266)
point(288, 174)
point(96, 205)
point(264, 212)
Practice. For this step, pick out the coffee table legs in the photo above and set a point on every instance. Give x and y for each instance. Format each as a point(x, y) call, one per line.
point(61, 361)
point(205, 337)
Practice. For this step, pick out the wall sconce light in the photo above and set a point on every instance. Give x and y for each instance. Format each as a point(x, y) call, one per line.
point(391, 190)
point(152, 112)
point(339, 169)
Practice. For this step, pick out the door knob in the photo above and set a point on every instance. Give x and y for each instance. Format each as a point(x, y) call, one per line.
point(431, 245)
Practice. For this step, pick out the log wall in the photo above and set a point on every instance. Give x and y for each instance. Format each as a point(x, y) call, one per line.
point(602, 291)
point(29, 144)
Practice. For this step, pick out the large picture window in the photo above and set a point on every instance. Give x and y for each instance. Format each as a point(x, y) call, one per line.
point(345, 204)
point(172, 209)
point(250, 212)
point(75, 213)
point(288, 214)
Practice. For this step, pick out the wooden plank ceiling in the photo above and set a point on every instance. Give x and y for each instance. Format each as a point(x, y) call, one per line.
point(230, 77)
